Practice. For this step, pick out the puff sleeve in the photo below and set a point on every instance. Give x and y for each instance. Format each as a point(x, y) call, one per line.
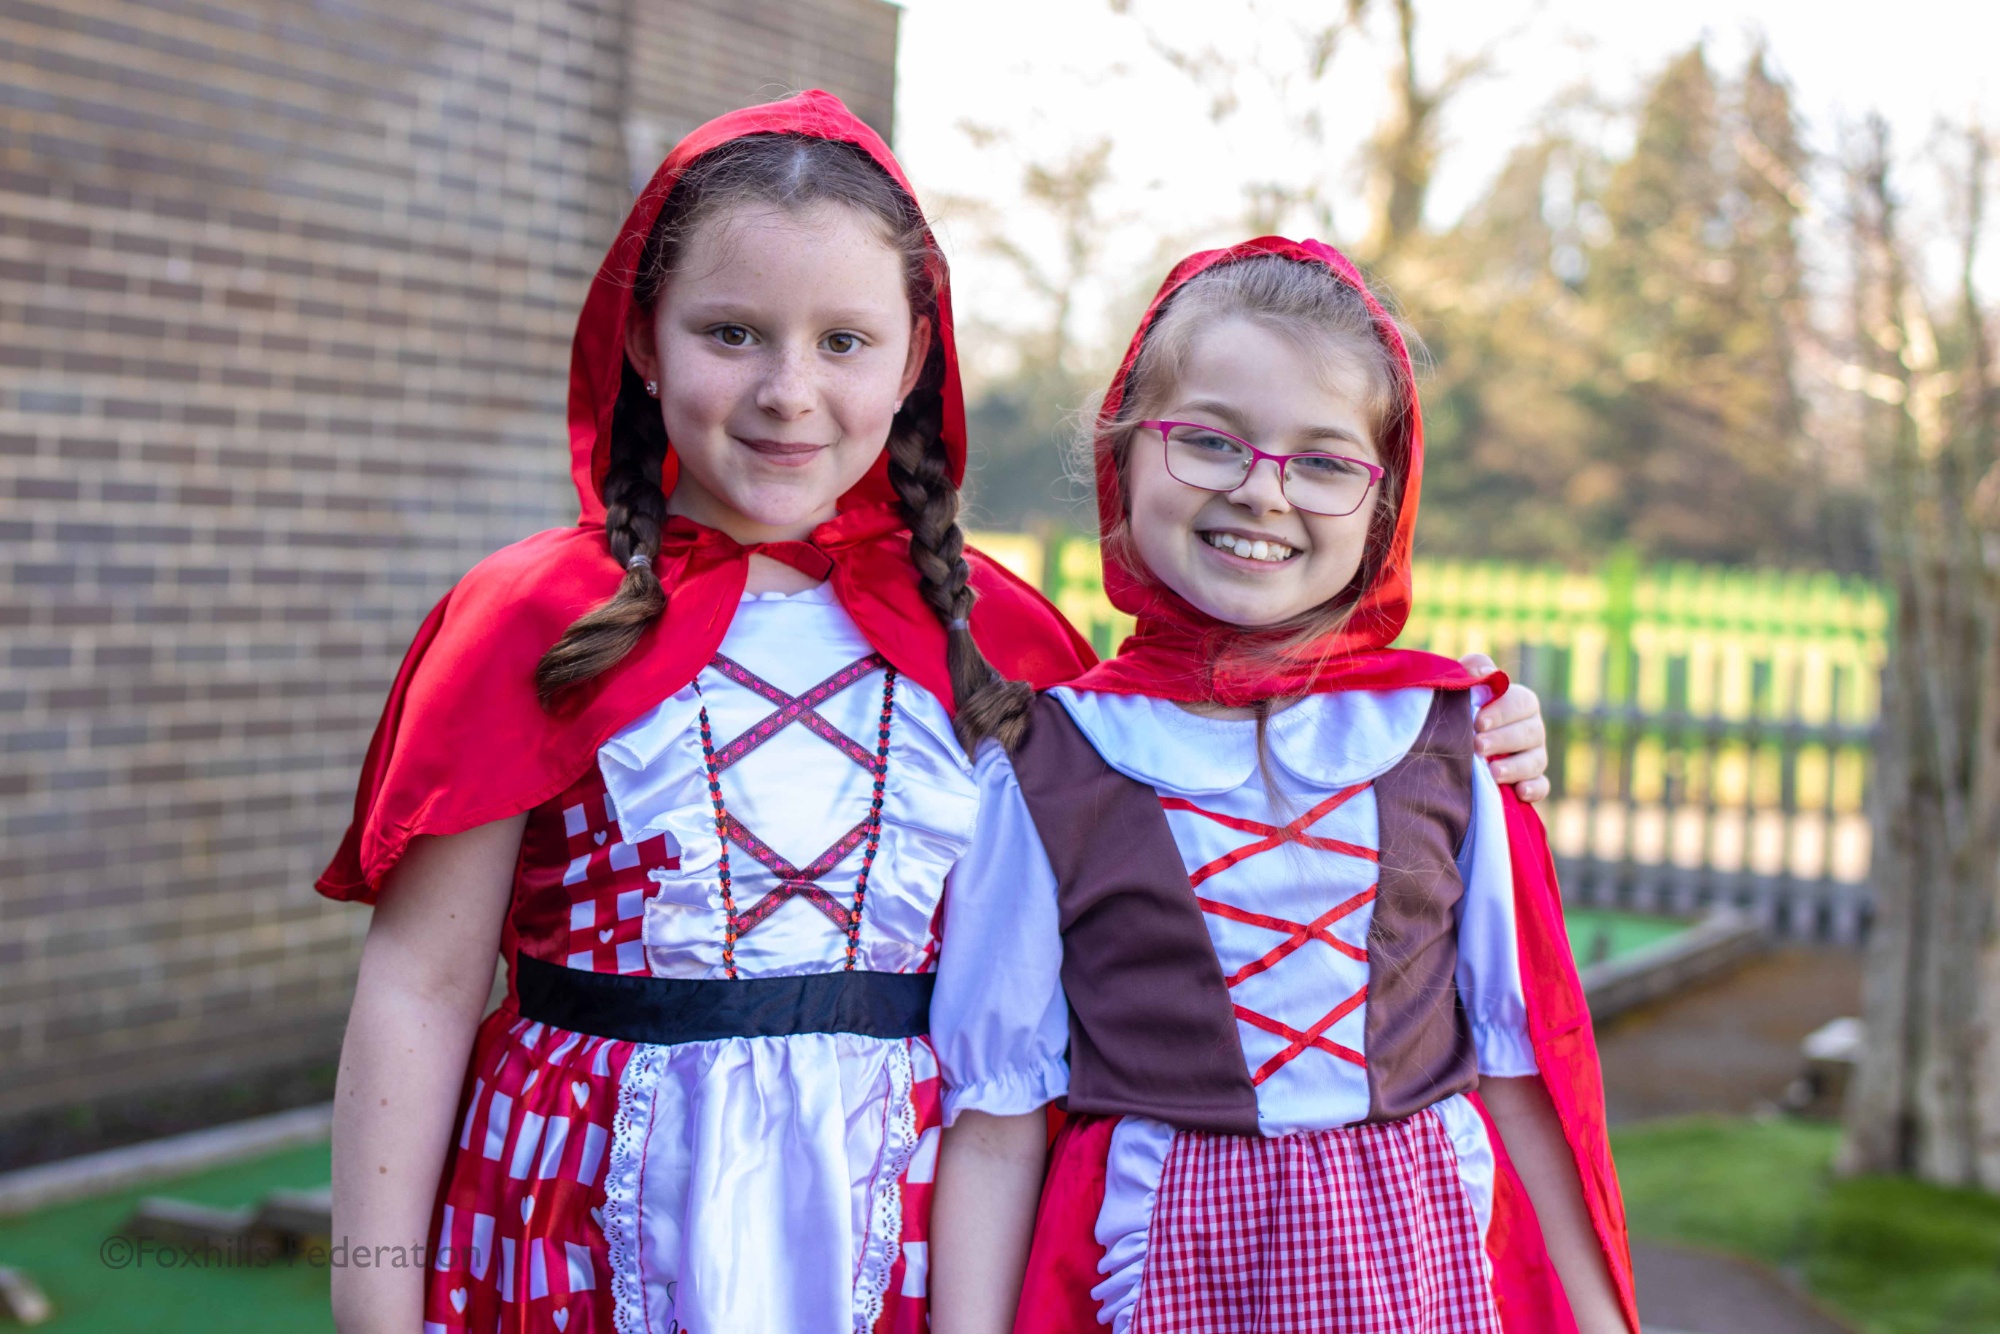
point(999, 1021)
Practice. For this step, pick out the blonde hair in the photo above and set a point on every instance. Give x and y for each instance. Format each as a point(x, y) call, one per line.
point(1325, 316)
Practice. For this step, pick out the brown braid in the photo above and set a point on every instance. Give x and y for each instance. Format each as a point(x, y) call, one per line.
point(635, 509)
point(988, 704)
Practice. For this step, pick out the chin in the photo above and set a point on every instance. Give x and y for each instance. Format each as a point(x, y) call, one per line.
point(796, 516)
point(1259, 615)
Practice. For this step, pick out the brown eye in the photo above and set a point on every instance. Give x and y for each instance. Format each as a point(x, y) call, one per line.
point(731, 335)
point(842, 343)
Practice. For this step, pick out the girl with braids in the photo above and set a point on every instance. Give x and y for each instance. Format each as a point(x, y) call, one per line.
point(1250, 904)
point(694, 769)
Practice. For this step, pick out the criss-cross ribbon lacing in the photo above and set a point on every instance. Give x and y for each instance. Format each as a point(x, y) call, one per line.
point(1296, 934)
point(796, 881)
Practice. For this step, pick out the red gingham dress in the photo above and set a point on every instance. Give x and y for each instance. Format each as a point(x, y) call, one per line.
point(1361, 1230)
point(518, 1233)
point(558, 1208)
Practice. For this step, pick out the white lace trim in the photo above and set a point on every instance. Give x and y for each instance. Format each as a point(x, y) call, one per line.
point(629, 1128)
point(876, 1255)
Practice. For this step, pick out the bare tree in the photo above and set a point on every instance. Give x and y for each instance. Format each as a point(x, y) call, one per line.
point(1403, 155)
point(1069, 193)
point(1400, 157)
point(1927, 1095)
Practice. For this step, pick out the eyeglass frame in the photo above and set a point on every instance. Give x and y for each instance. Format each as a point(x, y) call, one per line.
point(1376, 472)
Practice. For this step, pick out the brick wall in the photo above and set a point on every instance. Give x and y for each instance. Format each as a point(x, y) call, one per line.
point(286, 290)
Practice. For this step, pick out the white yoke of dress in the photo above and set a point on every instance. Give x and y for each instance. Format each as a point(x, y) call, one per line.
point(1266, 900)
point(754, 1183)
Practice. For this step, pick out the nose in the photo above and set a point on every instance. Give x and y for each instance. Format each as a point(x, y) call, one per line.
point(1263, 490)
point(788, 392)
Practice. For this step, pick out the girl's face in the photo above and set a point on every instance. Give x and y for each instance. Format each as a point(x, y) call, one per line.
point(782, 348)
point(1255, 383)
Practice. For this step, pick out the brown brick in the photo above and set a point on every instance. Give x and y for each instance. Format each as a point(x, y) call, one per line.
point(258, 323)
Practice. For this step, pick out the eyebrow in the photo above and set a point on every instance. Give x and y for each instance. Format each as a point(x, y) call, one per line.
point(1217, 408)
point(744, 311)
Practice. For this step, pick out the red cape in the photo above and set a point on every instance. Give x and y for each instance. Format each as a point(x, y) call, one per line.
point(1173, 654)
point(463, 739)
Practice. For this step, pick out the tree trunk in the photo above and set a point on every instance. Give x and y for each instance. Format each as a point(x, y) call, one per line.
point(1926, 1098)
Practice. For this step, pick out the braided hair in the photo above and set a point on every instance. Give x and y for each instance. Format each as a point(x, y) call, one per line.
point(793, 172)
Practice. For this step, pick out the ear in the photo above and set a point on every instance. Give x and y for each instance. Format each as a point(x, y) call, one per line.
point(920, 348)
point(642, 341)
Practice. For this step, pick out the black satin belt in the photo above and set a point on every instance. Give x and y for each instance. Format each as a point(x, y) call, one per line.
point(667, 1010)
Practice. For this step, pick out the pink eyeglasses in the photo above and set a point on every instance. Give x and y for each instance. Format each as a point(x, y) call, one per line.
point(1200, 456)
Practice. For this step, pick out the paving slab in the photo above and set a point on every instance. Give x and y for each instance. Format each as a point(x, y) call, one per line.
point(1687, 1291)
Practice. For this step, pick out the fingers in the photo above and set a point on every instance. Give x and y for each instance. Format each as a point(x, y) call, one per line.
point(1523, 767)
point(1512, 729)
point(1519, 704)
point(1511, 738)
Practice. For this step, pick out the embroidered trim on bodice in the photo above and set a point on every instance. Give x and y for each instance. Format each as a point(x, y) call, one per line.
point(793, 880)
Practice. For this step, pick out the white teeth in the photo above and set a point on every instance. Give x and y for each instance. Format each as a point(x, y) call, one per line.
point(1270, 552)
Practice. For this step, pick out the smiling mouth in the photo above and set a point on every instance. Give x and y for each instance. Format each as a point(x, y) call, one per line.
point(1271, 553)
point(782, 451)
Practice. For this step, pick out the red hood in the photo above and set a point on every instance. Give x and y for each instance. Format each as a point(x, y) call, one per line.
point(1173, 651)
point(597, 356)
point(464, 739)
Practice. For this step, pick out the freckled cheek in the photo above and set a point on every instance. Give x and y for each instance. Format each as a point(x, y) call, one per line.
point(703, 393)
point(864, 407)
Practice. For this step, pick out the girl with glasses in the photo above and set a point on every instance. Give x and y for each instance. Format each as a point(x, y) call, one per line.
point(1250, 903)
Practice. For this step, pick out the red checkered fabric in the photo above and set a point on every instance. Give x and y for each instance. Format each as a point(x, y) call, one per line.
point(518, 1237)
point(906, 1306)
point(1361, 1230)
point(582, 890)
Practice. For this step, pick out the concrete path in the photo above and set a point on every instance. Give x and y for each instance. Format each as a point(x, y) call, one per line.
point(1692, 1292)
point(1730, 1045)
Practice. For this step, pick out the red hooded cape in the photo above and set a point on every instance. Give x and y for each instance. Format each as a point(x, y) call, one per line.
point(463, 739)
point(1171, 655)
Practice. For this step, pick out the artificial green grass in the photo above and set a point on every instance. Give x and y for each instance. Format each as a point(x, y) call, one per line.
point(1605, 933)
point(64, 1248)
point(1891, 1256)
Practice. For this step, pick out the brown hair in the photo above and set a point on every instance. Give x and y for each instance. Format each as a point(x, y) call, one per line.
point(793, 172)
point(1327, 317)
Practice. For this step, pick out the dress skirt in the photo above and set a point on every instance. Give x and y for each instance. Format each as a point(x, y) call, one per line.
point(1365, 1229)
point(745, 1183)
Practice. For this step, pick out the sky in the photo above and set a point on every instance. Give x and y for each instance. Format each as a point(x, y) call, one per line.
point(1038, 80)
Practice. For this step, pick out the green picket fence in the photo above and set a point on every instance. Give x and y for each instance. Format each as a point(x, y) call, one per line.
point(1710, 728)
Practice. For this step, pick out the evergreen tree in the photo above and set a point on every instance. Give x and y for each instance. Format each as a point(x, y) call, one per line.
point(1617, 344)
